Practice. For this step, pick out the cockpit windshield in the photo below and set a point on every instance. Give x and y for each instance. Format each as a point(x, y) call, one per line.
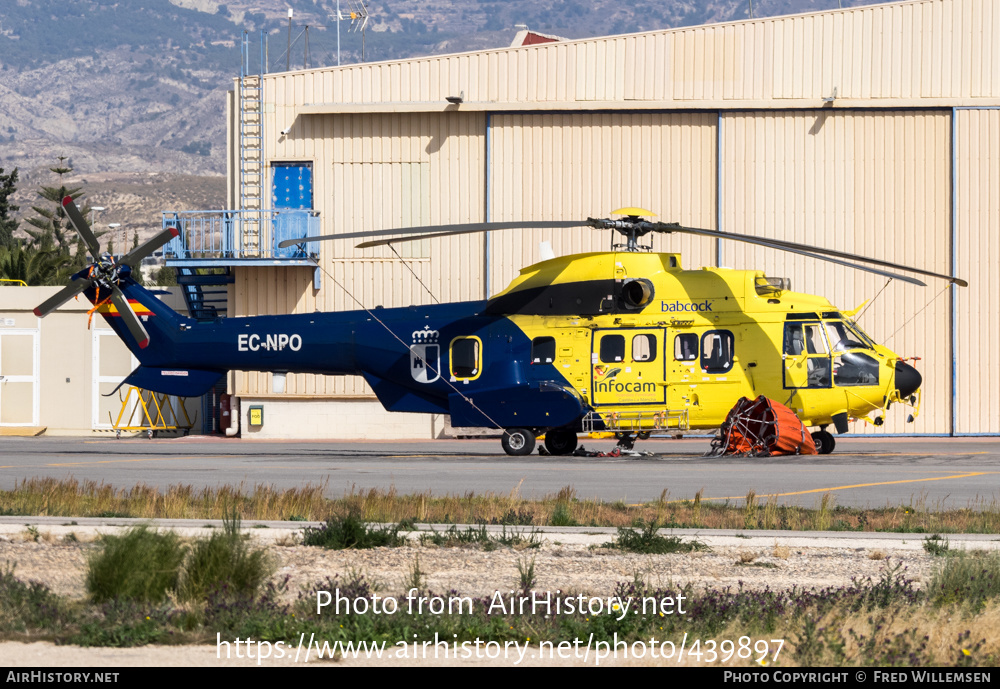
point(857, 328)
point(843, 337)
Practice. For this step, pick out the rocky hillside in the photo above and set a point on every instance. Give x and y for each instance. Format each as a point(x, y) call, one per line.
point(133, 94)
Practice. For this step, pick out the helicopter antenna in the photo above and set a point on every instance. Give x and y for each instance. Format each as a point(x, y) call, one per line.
point(414, 274)
point(873, 300)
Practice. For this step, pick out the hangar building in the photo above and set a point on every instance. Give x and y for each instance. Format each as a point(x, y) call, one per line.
point(873, 130)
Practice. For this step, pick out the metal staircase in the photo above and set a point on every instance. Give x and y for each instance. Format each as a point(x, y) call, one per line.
point(206, 293)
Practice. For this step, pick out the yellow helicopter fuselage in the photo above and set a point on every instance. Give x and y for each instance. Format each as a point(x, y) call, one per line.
point(674, 349)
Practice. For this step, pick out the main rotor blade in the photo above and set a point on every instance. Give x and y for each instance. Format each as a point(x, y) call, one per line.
point(441, 230)
point(62, 296)
point(76, 217)
point(815, 250)
point(828, 259)
point(131, 320)
point(136, 255)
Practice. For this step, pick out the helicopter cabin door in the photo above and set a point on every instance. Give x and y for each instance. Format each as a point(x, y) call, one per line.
point(627, 366)
point(805, 356)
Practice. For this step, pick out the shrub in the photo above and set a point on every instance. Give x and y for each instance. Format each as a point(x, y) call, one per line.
point(28, 607)
point(227, 561)
point(140, 565)
point(650, 542)
point(350, 531)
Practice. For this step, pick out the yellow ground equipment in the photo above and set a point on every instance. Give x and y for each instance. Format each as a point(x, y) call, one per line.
point(150, 412)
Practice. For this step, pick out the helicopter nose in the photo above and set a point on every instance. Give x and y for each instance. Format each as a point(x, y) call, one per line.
point(907, 379)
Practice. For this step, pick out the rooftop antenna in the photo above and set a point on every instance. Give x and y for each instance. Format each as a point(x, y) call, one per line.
point(288, 53)
point(358, 16)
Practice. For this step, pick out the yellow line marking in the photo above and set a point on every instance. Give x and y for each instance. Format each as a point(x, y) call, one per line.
point(124, 461)
point(856, 485)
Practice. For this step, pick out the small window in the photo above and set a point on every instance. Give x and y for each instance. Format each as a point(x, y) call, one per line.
point(644, 348)
point(543, 350)
point(686, 347)
point(465, 357)
point(717, 351)
point(612, 349)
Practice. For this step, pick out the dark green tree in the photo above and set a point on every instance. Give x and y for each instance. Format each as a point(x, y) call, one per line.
point(53, 235)
point(8, 185)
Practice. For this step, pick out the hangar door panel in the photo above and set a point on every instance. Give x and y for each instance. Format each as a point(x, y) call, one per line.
point(875, 183)
point(977, 254)
point(575, 166)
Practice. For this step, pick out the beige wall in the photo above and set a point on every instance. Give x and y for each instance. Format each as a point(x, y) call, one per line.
point(873, 183)
point(977, 257)
point(72, 362)
point(728, 125)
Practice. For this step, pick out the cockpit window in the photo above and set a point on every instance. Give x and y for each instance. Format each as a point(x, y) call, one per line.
point(843, 337)
point(858, 329)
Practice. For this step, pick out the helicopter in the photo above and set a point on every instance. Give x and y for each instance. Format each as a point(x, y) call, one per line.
point(625, 341)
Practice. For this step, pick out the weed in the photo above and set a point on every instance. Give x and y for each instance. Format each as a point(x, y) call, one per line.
point(140, 564)
point(70, 538)
point(225, 560)
point(526, 572)
point(416, 579)
point(296, 518)
point(478, 535)
point(935, 545)
point(877, 555)
point(28, 607)
point(965, 579)
point(782, 552)
point(746, 557)
point(649, 541)
point(561, 515)
point(31, 533)
point(349, 531)
point(750, 510)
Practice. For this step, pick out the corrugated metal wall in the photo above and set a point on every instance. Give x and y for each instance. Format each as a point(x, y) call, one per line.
point(850, 175)
point(977, 254)
point(376, 172)
point(899, 51)
point(569, 167)
point(872, 183)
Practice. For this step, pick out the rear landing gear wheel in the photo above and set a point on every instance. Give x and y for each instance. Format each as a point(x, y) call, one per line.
point(560, 442)
point(825, 442)
point(518, 441)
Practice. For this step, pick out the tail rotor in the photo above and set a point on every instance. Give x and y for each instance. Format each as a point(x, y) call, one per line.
point(106, 273)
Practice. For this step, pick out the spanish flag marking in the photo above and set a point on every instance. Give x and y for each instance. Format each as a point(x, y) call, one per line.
point(111, 310)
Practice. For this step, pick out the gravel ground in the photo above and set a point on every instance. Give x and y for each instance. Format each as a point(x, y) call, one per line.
point(568, 561)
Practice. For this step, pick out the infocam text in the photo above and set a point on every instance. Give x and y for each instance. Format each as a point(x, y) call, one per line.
point(674, 306)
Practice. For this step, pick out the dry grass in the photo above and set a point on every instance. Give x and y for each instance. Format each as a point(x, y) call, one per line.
point(782, 552)
point(876, 555)
point(73, 498)
point(746, 557)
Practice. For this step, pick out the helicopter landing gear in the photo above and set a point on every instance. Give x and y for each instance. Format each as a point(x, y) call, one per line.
point(518, 441)
point(825, 442)
point(560, 442)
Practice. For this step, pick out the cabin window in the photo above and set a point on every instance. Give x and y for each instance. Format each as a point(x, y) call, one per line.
point(543, 350)
point(717, 351)
point(644, 348)
point(686, 347)
point(612, 349)
point(466, 357)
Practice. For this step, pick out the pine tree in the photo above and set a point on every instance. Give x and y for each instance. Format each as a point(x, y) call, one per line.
point(8, 185)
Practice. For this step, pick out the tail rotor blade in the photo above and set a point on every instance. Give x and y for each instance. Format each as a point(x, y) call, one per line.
point(76, 217)
point(136, 255)
point(131, 320)
point(62, 296)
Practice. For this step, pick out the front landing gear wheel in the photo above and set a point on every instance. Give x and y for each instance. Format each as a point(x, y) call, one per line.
point(518, 441)
point(825, 442)
point(560, 442)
